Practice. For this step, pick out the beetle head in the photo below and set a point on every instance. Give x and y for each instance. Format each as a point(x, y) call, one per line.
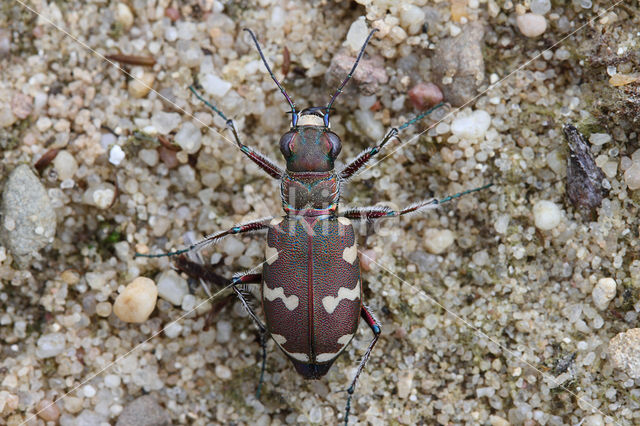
point(310, 146)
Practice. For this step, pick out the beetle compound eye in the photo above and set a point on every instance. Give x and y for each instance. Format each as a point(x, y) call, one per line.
point(336, 145)
point(285, 144)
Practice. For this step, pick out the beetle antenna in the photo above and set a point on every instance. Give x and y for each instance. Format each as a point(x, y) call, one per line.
point(353, 69)
point(273, 77)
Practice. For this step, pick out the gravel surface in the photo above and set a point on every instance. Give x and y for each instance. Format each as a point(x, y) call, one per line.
point(497, 308)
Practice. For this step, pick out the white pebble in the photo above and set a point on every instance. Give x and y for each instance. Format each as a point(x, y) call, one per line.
point(540, 7)
point(189, 138)
point(624, 352)
point(215, 86)
point(137, 301)
point(100, 195)
point(438, 240)
point(223, 372)
point(189, 302)
point(89, 391)
point(599, 138)
point(223, 329)
point(411, 17)
point(116, 155)
point(149, 156)
point(531, 25)
point(546, 215)
point(173, 330)
point(124, 15)
point(112, 380)
point(473, 126)
point(141, 83)
point(502, 223)
point(604, 292)
point(233, 247)
point(593, 420)
point(369, 125)
point(65, 165)
point(632, 176)
point(107, 139)
point(50, 345)
point(172, 287)
point(357, 34)
point(165, 122)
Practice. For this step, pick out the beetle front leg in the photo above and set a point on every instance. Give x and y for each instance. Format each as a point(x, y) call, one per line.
point(261, 160)
point(373, 323)
point(369, 153)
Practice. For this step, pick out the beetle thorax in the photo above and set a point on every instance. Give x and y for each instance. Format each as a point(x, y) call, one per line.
point(310, 193)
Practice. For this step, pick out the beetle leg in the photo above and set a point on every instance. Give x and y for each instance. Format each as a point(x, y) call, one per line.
point(264, 162)
point(373, 323)
point(213, 238)
point(375, 212)
point(369, 153)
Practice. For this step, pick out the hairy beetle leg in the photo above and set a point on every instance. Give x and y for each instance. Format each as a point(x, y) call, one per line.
point(264, 162)
point(373, 323)
point(375, 212)
point(210, 239)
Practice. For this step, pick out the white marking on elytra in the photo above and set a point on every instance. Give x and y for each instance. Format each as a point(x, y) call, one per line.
point(279, 339)
point(344, 221)
point(350, 253)
point(276, 221)
point(297, 355)
point(330, 303)
point(271, 254)
point(342, 341)
point(291, 302)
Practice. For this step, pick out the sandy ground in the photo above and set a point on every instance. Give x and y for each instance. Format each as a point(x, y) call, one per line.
point(495, 309)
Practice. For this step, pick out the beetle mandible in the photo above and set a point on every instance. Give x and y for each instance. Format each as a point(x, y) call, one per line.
point(311, 282)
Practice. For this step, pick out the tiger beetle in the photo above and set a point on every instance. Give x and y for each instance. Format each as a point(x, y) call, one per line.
point(311, 282)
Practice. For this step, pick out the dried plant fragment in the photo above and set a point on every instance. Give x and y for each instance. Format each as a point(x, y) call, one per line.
point(584, 177)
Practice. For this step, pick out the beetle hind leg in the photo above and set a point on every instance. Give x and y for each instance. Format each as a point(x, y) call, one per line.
point(374, 325)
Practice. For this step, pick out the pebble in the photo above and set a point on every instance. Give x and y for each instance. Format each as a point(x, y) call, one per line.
point(189, 138)
point(141, 83)
point(531, 25)
point(367, 78)
point(72, 404)
point(116, 155)
point(124, 15)
point(232, 247)
point(411, 17)
point(137, 301)
point(48, 410)
point(593, 420)
point(173, 330)
point(103, 309)
point(604, 292)
point(6, 116)
point(599, 138)
point(165, 122)
point(357, 34)
point(425, 95)
point(144, 411)
point(371, 127)
point(632, 176)
point(473, 126)
point(172, 287)
point(438, 240)
point(28, 219)
point(540, 7)
point(5, 42)
point(65, 165)
point(223, 372)
point(21, 105)
point(112, 380)
point(50, 345)
point(547, 215)
point(405, 383)
point(458, 64)
point(624, 350)
point(8, 402)
point(100, 195)
point(149, 156)
point(215, 86)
